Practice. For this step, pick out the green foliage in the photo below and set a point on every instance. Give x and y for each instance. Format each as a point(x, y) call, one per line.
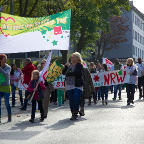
point(58, 59)
point(35, 63)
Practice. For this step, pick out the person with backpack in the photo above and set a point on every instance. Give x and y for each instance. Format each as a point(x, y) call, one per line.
point(130, 88)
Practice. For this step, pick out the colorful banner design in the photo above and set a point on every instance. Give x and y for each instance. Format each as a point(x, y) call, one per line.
point(59, 82)
point(2, 78)
point(20, 34)
point(54, 71)
point(21, 85)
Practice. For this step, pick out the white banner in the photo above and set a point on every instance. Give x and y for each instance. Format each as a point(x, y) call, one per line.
point(59, 82)
point(43, 73)
point(108, 63)
point(21, 85)
point(101, 79)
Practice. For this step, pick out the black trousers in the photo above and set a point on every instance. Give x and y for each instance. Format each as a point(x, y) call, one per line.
point(26, 100)
point(130, 92)
point(40, 104)
point(141, 84)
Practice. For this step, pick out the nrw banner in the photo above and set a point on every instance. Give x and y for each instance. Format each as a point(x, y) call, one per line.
point(21, 34)
point(101, 79)
point(110, 78)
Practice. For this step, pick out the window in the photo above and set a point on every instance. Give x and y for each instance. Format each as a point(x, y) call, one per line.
point(138, 37)
point(138, 52)
point(143, 40)
point(141, 25)
point(135, 35)
point(133, 50)
point(142, 54)
point(135, 20)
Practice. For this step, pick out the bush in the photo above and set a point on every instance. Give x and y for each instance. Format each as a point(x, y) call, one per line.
point(57, 58)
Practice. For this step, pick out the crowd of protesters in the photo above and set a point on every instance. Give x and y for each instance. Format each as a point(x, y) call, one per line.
point(78, 85)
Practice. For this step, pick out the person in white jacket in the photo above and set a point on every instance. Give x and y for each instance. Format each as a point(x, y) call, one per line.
point(140, 66)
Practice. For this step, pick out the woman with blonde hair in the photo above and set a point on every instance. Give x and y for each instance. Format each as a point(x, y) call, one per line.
point(133, 80)
point(74, 82)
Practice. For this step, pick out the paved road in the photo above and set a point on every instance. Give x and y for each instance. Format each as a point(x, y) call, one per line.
point(112, 124)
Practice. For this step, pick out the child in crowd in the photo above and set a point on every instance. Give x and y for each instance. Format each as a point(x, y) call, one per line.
point(92, 70)
point(38, 96)
point(60, 96)
point(104, 89)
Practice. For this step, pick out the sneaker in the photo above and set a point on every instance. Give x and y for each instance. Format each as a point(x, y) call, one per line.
point(128, 103)
point(114, 99)
point(42, 119)
point(31, 120)
point(106, 102)
point(132, 102)
point(120, 98)
point(29, 103)
point(13, 106)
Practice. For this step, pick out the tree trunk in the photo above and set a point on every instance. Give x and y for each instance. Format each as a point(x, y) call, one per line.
point(20, 7)
point(81, 39)
point(34, 6)
point(64, 55)
point(25, 9)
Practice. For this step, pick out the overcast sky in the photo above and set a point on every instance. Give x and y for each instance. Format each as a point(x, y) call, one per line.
point(139, 4)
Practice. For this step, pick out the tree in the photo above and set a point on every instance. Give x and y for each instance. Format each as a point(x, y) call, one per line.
point(116, 36)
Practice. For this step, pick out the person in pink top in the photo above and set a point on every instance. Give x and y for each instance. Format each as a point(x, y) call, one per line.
point(15, 75)
point(38, 95)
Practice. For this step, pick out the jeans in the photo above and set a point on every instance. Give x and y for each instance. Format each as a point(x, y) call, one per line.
point(40, 104)
point(7, 104)
point(111, 88)
point(130, 88)
point(117, 87)
point(141, 84)
point(104, 91)
point(13, 95)
point(74, 99)
point(26, 100)
point(99, 93)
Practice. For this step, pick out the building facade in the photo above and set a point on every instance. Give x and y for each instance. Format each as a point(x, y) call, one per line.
point(134, 47)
